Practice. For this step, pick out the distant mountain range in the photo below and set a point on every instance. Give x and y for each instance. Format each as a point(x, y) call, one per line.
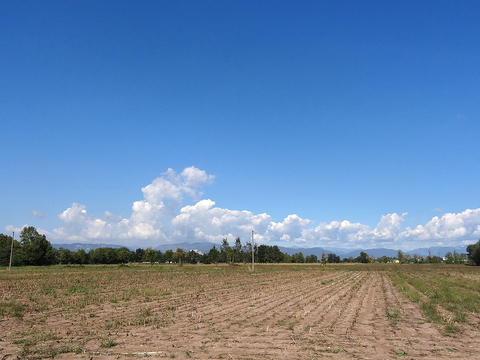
point(204, 247)
point(86, 247)
point(437, 251)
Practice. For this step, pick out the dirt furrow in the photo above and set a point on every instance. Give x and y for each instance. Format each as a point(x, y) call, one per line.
point(261, 303)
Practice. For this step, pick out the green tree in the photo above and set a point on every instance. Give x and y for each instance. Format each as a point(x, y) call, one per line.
point(323, 260)
point(417, 259)
point(139, 254)
point(98, 255)
point(213, 256)
point(401, 257)
point(363, 258)
point(298, 258)
point(192, 257)
point(5, 248)
point(277, 254)
point(433, 259)
point(255, 253)
point(81, 257)
point(449, 258)
point(36, 248)
point(263, 253)
point(65, 256)
point(473, 251)
point(224, 251)
point(150, 256)
point(179, 255)
point(110, 256)
point(333, 258)
point(124, 255)
point(247, 253)
point(237, 250)
point(160, 256)
point(458, 258)
point(383, 259)
point(168, 256)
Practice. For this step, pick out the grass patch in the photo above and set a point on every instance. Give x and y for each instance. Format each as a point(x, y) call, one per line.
point(77, 289)
point(107, 342)
point(430, 310)
point(12, 308)
point(460, 317)
point(399, 281)
point(394, 316)
point(450, 329)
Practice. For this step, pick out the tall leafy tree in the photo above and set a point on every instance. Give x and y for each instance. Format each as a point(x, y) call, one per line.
point(298, 258)
point(150, 256)
point(323, 260)
point(213, 255)
point(224, 251)
point(81, 257)
point(139, 254)
point(473, 251)
point(65, 256)
point(168, 256)
point(247, 253)
point(333, 258)
point(124, 255)
point(277, 254)
point(237, 253)
point(5, 248)
point(263, 253)
point(192, 257)
point(179, 255)
point(98, 256)
point(363, 258)
point(417, 259)
point(36, 248)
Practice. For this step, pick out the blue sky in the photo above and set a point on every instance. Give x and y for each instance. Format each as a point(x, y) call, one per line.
point(315, 123)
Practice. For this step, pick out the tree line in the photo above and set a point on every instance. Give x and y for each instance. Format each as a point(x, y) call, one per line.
point(34, 249)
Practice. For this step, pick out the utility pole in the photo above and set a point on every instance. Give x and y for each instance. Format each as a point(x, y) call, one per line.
point(11, 252)
point(253, 256)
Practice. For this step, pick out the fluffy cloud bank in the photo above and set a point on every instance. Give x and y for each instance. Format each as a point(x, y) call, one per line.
point(155, 219)
point(161, 198)
point(464, 225)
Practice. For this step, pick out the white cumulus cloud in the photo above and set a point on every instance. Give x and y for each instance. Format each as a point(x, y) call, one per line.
point(202, 221)
point(461, 226)
point(161, 198)
point(162, 217)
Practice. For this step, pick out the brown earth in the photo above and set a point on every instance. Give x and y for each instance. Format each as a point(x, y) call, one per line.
point(282, 314)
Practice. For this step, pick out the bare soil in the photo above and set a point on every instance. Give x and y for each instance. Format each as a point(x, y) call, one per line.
point(281, 314)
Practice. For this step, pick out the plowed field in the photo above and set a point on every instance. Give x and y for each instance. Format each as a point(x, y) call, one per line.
point(215, 312)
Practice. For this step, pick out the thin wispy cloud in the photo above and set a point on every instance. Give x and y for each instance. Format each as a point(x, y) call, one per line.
point(39, 214)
